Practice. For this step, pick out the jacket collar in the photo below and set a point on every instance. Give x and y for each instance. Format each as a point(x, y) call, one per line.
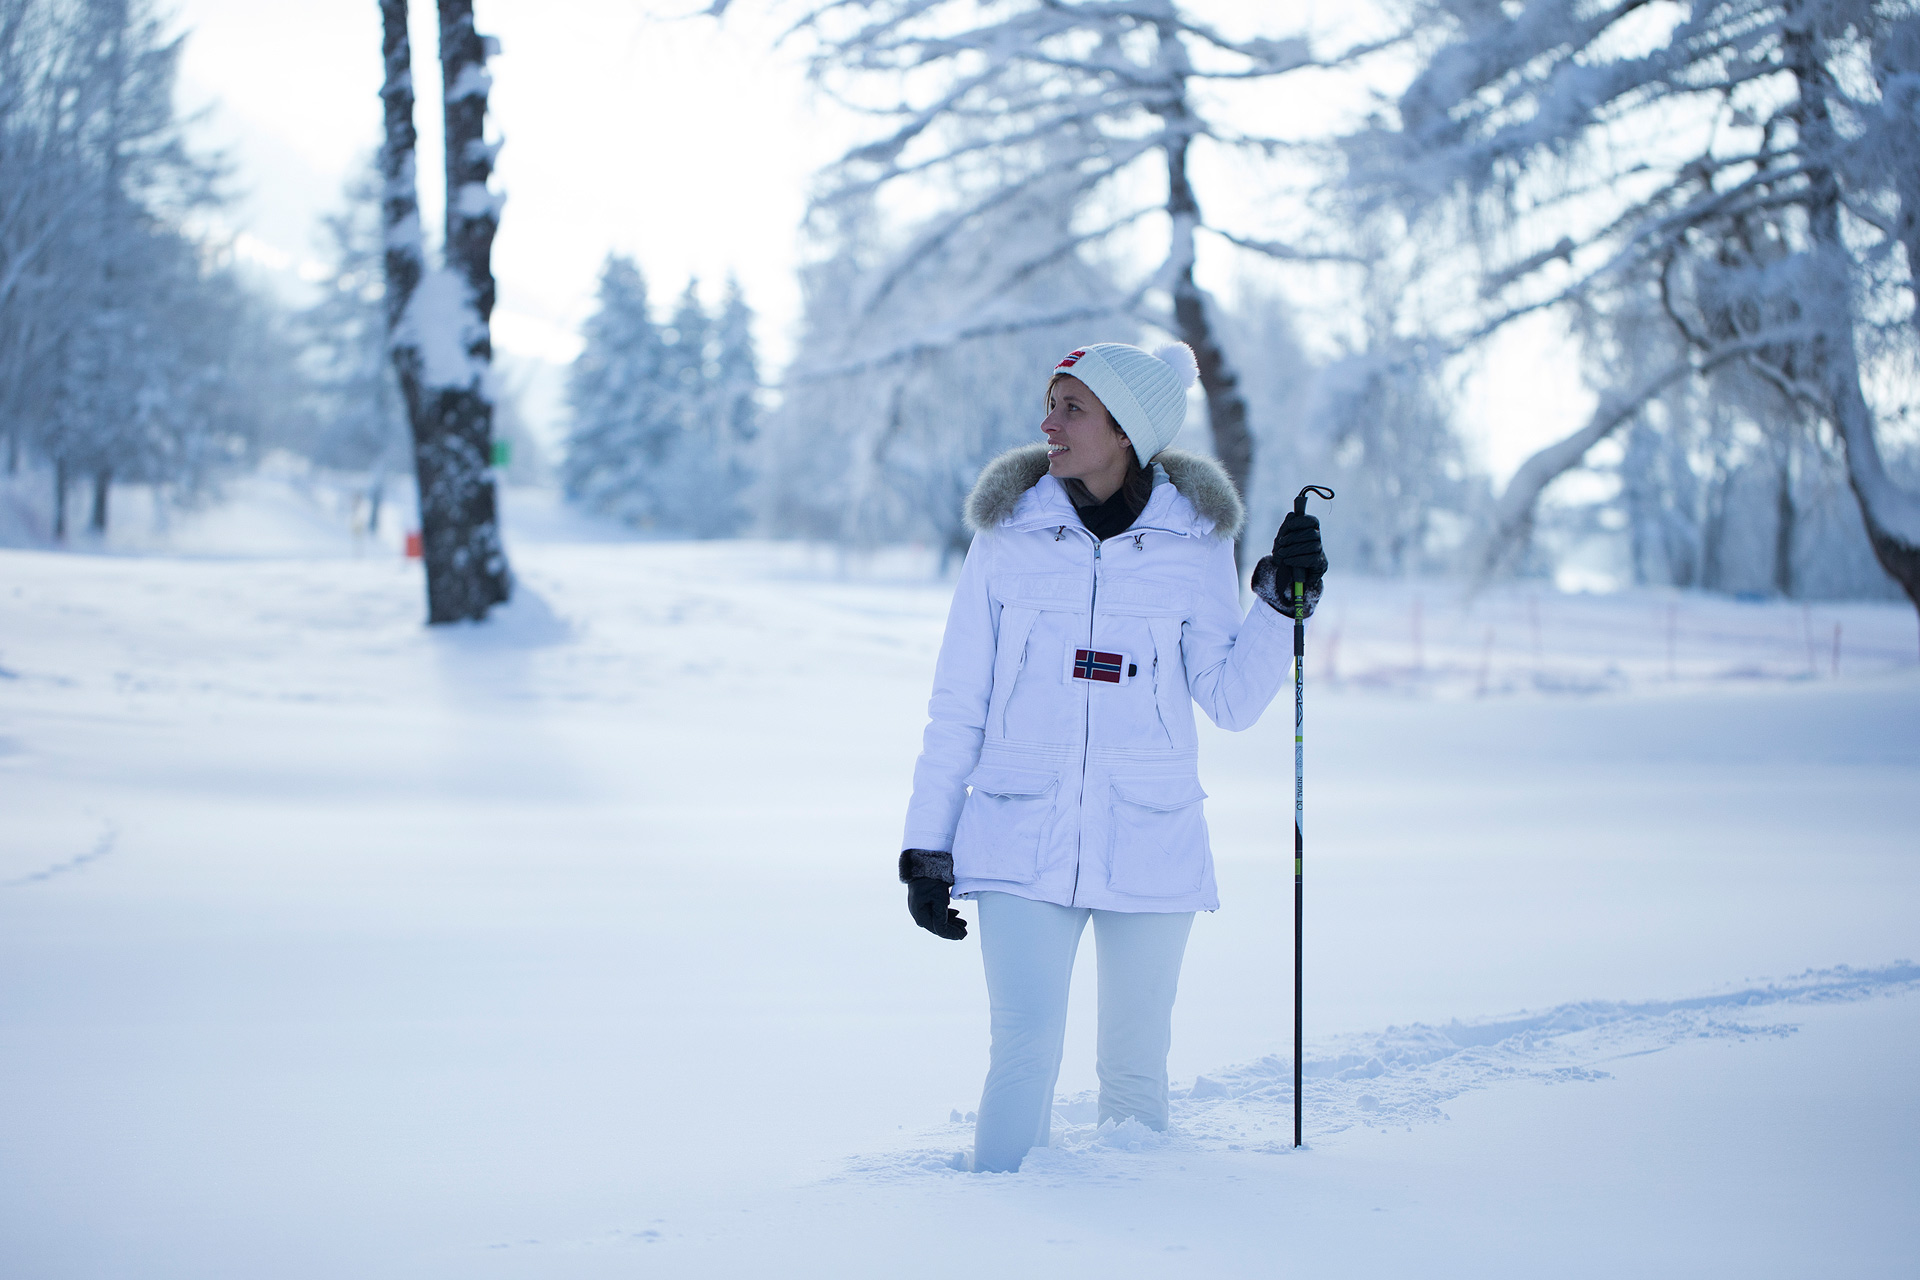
point(1192, 496)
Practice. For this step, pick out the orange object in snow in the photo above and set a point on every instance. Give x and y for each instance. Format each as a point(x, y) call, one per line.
point(414, 548)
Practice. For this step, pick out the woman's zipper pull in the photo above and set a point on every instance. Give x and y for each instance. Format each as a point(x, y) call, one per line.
point(1060, 533)
point(1136, 541)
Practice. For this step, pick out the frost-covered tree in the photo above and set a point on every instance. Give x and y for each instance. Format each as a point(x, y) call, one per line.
point(360, 424)
point(621, 426)
point(128, 350)
point(1106, 108)
point(693, 486)
point(1750, 167)
point(662, 415)
point(736, 387)
point(872, 444)
point(438, 320)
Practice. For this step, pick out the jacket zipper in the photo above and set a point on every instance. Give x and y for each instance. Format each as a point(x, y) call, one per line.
point(1086, 724)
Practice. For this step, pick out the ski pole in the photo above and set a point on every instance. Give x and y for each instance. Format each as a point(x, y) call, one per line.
point(1299, 784)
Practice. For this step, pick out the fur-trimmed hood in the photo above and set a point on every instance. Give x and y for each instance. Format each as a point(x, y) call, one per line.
point(1197, 478)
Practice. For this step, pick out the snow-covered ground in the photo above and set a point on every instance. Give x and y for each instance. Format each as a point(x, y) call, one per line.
point(568, 945)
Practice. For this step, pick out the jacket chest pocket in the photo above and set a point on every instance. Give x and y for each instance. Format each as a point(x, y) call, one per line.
point(1171, 698)
point(1004, 824)
point(1159, 837)
point(1009, 659)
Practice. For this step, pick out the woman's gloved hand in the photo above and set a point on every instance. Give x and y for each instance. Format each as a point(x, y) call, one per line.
point(929, 903)
point(929, 879)
point(1296, 547)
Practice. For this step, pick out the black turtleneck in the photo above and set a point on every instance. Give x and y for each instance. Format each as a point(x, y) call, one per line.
point(1116, 515)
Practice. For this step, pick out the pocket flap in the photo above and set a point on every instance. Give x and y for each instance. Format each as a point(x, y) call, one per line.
point(997, 780)
point(1146, 599)
point(1164, 794)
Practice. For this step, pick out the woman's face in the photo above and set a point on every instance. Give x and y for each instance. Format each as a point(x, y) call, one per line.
point(1082, 442)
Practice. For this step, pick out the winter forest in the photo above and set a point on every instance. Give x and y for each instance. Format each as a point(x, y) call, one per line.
point(1708, 202)
point(482, 493)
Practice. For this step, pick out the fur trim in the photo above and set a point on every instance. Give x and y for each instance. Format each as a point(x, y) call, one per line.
point(1278, 592)
point(1001, 483)
point(1199, 479)
point(1206, 484)
point(925, 863)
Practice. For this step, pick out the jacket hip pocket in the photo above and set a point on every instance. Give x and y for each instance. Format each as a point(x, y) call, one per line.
point(1159, 837)
point(1003, 825)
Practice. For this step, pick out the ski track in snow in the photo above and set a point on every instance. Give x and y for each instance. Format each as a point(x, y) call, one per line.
point(101, 848)
point(1399, 1077)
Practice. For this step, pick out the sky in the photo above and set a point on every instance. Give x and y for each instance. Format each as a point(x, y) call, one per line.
point(687, 143)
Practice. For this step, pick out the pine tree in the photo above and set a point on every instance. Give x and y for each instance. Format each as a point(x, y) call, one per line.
point(360, 424)
point(691, 488)
point(737, 372)
point(622, 425)
point(662, 417)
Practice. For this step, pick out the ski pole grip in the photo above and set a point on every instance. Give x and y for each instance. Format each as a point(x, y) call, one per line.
point(1317, 490)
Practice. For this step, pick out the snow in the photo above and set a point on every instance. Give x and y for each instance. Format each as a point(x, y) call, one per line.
point(441, 321)
point(567, 945)
point(474, 201)
point(474, 81)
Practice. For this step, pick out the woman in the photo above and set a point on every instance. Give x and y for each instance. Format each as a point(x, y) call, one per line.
point(1059, 776)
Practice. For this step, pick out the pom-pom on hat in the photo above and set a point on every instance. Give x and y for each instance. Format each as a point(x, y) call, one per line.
point(1146, 394)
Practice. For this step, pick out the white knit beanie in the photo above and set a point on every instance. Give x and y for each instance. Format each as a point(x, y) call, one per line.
point(1146, 394)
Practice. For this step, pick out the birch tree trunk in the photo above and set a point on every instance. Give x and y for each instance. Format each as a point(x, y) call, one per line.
point(437, 321)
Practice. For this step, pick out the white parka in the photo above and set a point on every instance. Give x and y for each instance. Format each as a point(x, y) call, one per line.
point(1078, 791)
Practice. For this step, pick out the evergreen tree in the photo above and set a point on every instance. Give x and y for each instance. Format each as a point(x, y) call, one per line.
point(737, 372)
point(622, 426)
point(360, 424)
point(661, 417)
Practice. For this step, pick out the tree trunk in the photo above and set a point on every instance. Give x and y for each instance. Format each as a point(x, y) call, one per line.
point(1226, 407)
point(1890, 512)
point(59, 501)
point(102, 487)
point(1713, 527)
point(437, 325)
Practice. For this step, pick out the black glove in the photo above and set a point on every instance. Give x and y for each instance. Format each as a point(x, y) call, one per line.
point(1297, 546)
point(929, 879)
point(928, 903)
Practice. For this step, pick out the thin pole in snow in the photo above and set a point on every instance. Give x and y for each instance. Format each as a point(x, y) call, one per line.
point(1299, 787)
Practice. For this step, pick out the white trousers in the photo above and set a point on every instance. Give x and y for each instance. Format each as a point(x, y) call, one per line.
point(1028, 948)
